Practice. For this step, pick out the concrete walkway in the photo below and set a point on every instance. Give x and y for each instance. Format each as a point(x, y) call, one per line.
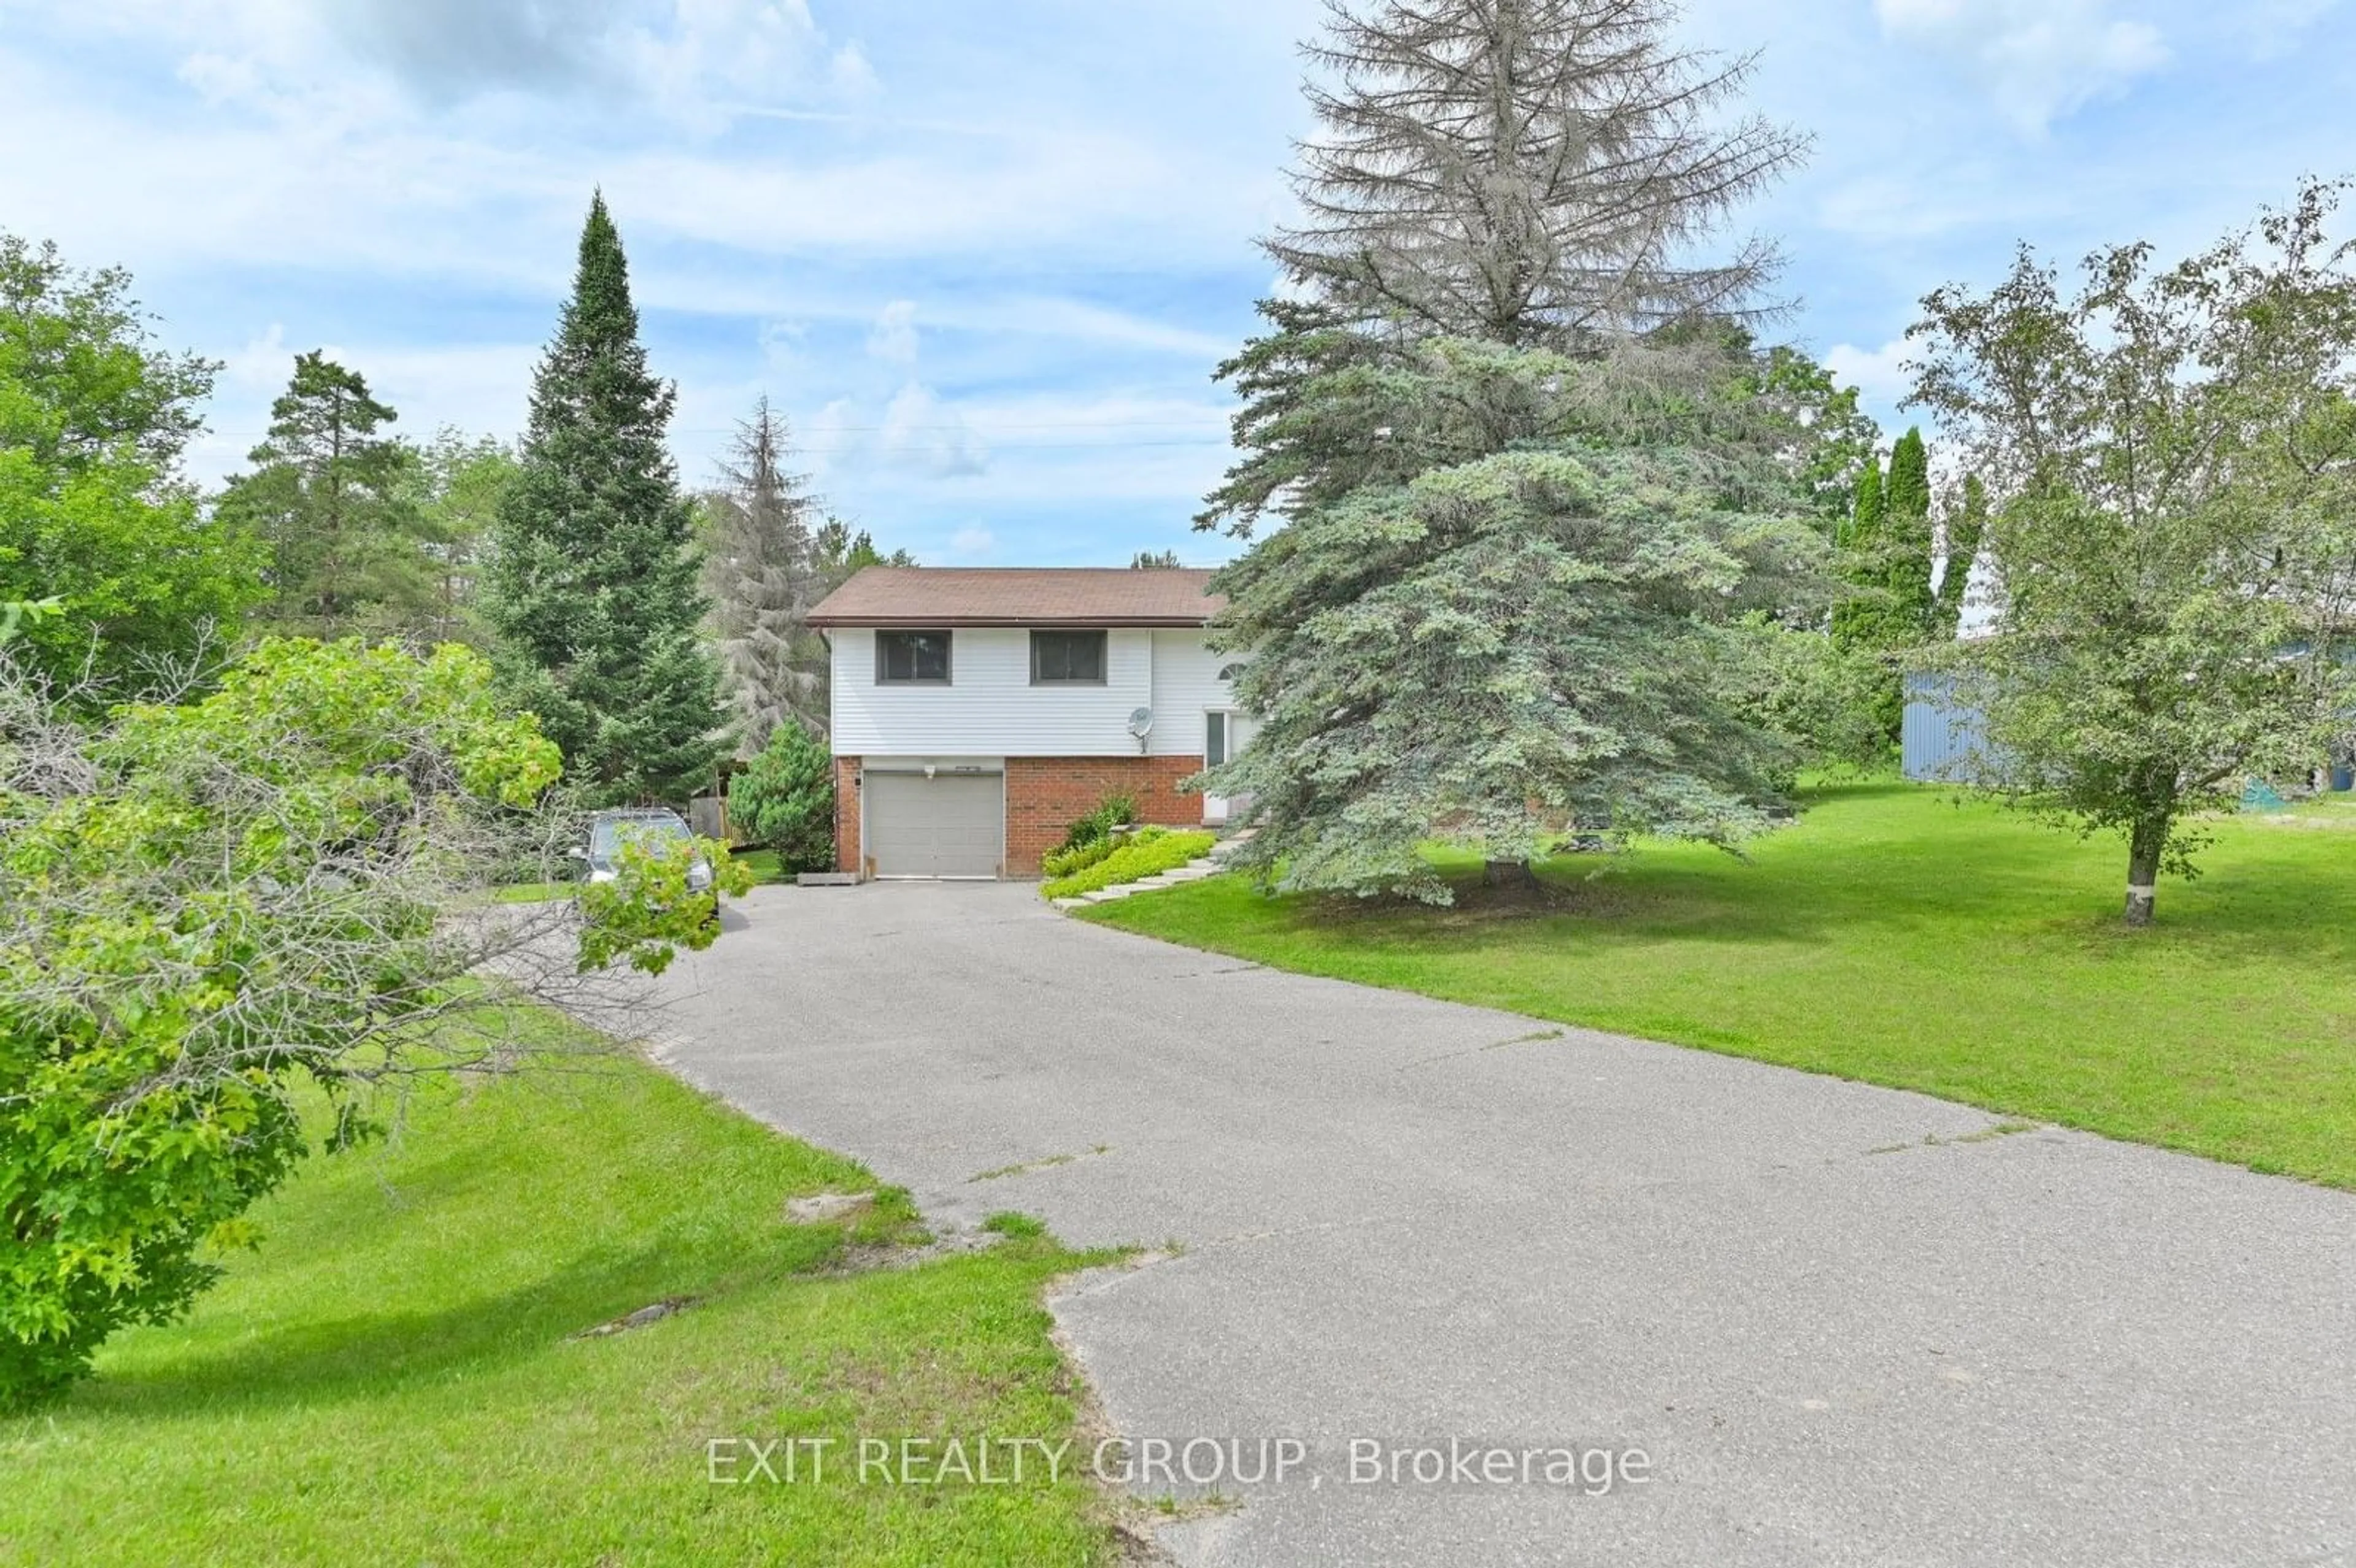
point(1843, 1325)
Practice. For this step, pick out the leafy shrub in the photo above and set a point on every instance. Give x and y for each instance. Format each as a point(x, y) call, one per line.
point(785, 800)
point(1143, 854)
point(1078, 858)
point(1113, 811)
point(1824, 702)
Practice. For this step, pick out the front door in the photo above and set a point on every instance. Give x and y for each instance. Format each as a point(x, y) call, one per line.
point(1225, 732)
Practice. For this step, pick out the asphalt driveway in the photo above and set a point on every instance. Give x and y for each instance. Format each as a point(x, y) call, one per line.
point(1839, 1324)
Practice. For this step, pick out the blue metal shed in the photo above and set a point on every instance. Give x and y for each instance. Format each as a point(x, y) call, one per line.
point(1942, 741)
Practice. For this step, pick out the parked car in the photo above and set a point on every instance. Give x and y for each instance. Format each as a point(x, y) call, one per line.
point(611, 831)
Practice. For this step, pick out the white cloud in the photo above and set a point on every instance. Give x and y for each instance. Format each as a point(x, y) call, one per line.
point(972, 540)
point(1879, 374)
point(2039, 60)
point(698, 62)
point(894, 336)
point(923, 433)
point(711, 58)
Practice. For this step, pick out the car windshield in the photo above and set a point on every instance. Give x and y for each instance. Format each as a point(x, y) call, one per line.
point(607, 838)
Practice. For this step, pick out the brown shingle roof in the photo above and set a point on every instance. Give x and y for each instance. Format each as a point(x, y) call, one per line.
point(1018, 596)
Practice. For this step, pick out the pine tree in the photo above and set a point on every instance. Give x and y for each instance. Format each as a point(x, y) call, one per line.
point(593, 579)
point(1154, 561)
point(327, 501)
point(763, 577)
point(1525, 171)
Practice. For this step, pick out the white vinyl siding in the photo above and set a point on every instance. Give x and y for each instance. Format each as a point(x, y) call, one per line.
point(1187, 685)
point(990, 708)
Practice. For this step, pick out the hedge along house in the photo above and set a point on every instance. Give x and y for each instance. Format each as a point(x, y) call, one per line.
point(978, 712)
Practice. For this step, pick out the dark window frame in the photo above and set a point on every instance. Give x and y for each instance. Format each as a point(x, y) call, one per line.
point(949, 656)
point(1104, 656)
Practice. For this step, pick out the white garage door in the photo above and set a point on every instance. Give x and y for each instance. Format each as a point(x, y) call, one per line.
point(951, 825)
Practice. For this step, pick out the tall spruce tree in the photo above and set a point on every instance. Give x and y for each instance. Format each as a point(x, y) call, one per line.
point(593, 582)
point(1533, 173)
point(763, 575)
point(328, 502)
point(1528, 172)
point(1528, 459)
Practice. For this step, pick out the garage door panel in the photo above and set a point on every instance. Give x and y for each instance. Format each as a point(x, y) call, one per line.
point(950, 824)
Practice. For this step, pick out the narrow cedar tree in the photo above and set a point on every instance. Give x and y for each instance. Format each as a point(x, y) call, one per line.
point(1964, 529)
point(1906, 559)
point(763, 576)
point(595, 576)
point(1886, 558)
point(2172, 454)
point(329, 503)
point(1858, 545)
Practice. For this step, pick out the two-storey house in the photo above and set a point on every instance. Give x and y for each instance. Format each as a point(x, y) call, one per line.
point(976, 713)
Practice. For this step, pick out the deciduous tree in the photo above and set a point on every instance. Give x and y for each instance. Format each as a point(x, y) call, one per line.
point(2172, 455)
point(455, 484)
point(1964, 531)
point(216, 909)
point(93, 511)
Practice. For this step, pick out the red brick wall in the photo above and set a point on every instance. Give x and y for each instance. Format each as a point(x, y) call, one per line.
point(1045, 795)
point(846, 815)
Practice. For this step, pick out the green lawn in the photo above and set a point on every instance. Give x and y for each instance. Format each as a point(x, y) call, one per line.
point(1897, 936)
point(390, 1378)
point(764, 864)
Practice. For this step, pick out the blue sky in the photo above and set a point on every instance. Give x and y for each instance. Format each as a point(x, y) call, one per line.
point(985, 257)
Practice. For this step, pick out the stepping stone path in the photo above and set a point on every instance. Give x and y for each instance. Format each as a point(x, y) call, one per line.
point(1209, 865)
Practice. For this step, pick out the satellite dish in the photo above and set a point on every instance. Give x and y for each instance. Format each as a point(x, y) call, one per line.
point(1141, 724)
